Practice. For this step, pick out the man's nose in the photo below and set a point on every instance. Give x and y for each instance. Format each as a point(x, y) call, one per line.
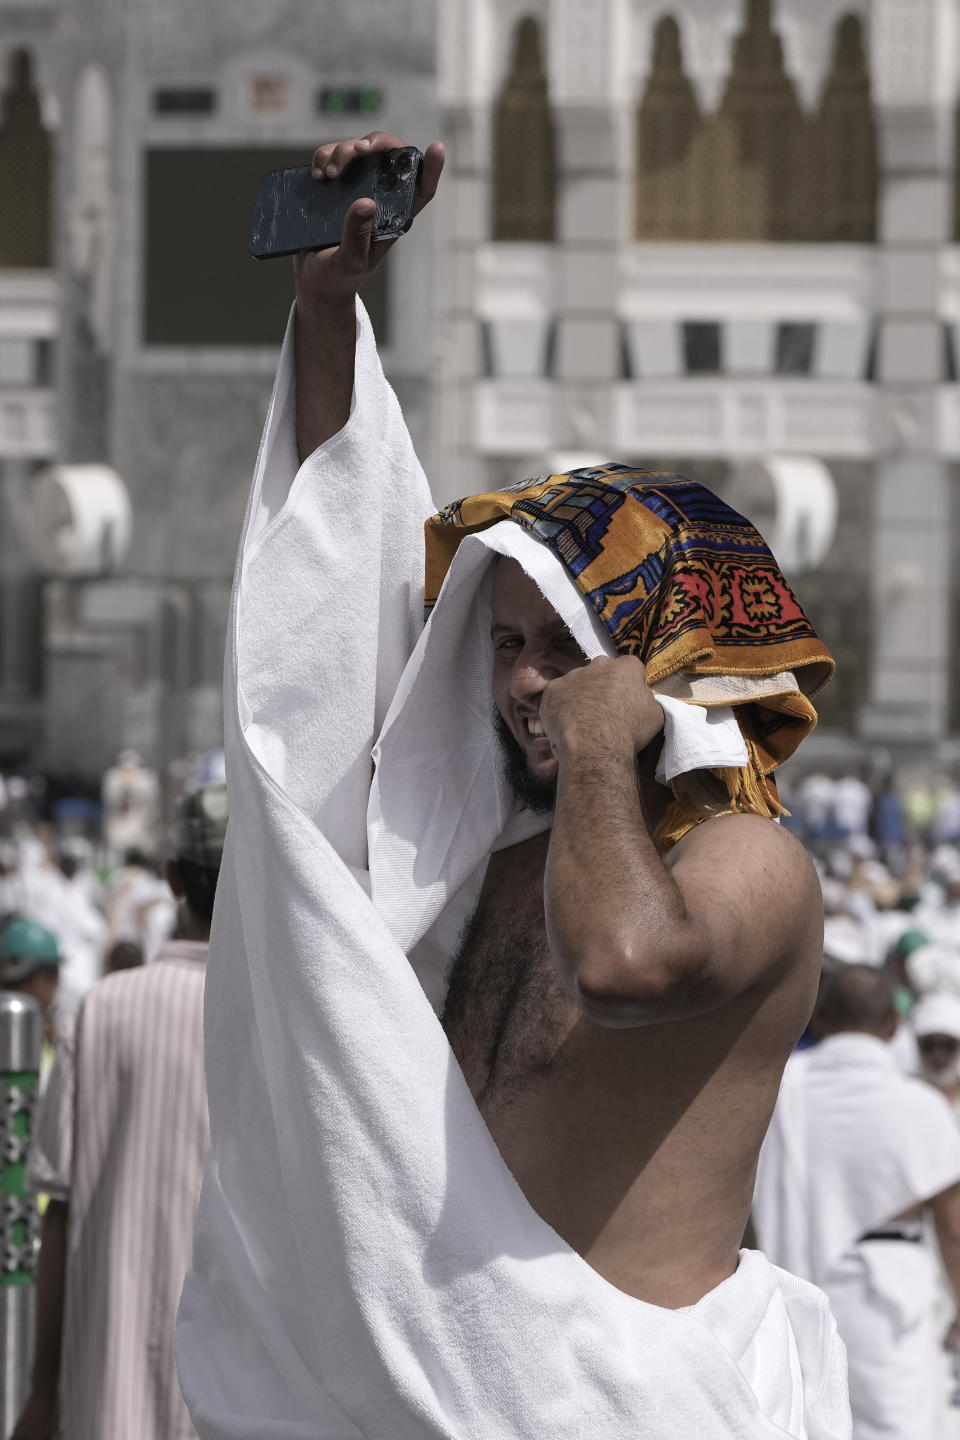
point(528, 681)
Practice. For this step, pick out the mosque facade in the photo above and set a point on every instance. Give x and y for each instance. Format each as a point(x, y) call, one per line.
point(717, 237)
point(720, 237)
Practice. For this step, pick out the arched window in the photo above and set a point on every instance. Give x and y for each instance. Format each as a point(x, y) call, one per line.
point(668, 121)
point(524, 145)
point(693, 182)
point(847, 143)
point(25, 167)
point(773, 135)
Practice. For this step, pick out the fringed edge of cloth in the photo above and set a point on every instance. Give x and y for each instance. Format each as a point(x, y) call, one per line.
point(749, 792)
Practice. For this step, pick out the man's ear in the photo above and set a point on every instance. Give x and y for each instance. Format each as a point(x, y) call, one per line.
point(171, 873)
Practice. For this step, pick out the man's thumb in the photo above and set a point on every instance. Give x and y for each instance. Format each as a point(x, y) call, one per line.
point(357, 234)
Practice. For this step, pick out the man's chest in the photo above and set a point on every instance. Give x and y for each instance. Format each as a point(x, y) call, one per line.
point(506, 1015)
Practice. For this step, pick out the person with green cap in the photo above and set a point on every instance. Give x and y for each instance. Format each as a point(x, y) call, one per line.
point(120, 1144)
point(30, 964)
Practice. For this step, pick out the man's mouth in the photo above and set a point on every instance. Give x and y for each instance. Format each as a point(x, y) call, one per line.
point(532, 728)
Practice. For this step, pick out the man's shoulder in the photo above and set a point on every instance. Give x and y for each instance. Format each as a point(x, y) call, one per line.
point(757, 899)
point(114, 994)
point(751, 843)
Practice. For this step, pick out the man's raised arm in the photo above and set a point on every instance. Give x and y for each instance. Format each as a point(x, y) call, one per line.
point(635, 940)
point(327, 282)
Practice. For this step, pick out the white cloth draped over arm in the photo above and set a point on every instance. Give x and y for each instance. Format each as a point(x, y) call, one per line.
point(364, 1263)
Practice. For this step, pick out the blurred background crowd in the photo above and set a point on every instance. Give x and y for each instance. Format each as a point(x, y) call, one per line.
point(90, 872)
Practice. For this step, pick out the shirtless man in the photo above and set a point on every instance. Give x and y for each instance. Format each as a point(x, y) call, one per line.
point(622, 1017)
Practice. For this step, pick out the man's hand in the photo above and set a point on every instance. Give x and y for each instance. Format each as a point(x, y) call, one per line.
point(38, 1419)
point(332, 276)
point(327, 282)
point(606, 705)
point(951, 1341)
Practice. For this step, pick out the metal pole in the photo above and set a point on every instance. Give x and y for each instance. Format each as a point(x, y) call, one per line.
point(21, 1041)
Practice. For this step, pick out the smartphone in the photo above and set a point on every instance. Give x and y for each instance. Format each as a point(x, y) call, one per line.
point(295, 212)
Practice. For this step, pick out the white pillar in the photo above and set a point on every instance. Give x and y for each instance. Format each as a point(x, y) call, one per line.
point(913, 56)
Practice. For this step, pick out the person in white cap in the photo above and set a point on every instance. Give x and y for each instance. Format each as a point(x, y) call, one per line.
point(935, 1021)
point(932, 967)
point(857, 1156)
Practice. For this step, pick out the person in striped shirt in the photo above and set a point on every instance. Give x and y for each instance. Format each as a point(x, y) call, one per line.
point(119, 1146)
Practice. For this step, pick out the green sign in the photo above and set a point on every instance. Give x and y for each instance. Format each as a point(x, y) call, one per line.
point(350, 100)
point(18, 1099)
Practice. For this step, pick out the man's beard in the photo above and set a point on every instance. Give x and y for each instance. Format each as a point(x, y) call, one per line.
point(946, 1078)
point(538, 796)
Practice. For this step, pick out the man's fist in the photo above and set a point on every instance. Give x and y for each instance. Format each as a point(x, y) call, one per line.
point(333, 275)
point(605, 705)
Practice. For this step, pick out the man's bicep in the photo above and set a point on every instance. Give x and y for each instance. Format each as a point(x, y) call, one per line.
point(752, 900)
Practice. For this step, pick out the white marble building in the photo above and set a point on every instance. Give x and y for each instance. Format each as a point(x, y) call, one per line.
point(717, 235)
point(703, 306)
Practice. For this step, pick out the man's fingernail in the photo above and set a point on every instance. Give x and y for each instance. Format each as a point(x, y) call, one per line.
point(363, 144)
point(331, 170)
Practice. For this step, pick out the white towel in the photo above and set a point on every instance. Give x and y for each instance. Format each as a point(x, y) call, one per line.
point(364, 1263)
point(440, 802)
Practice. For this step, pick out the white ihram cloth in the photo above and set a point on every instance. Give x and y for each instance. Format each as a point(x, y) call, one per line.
point(853, 1144)
point(364, 1263)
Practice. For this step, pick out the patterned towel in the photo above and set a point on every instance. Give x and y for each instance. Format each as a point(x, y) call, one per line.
point(685, 583)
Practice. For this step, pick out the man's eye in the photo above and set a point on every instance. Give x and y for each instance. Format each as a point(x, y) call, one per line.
point(508, 642)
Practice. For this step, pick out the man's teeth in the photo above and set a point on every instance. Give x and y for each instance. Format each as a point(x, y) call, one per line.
point(535, 728)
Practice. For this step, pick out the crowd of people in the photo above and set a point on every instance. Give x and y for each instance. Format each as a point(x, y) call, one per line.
point(74, 909)
point(90, 873)
point(107, 928)
point(888, 857)
point(859, 1179)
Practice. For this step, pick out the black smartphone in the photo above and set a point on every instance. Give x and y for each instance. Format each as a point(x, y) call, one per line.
point(295, 212)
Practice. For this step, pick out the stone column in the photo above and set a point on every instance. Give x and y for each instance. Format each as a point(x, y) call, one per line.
point(18, 611)
point(464, 64)
point(913, 45)
point(593, 115)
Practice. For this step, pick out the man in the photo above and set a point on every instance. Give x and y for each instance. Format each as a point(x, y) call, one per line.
point(856, 1155)
point(935, 1021)
point(119, 1146)
point(130, 794)
point(379, 1261)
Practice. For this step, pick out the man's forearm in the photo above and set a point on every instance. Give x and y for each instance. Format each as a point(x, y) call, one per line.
point(603, 869)
point(325, 352)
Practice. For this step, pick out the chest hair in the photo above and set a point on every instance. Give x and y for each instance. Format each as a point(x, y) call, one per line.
point(506, 1014)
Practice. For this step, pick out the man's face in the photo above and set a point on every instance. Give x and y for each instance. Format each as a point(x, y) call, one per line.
point(940, 1059)
point(531, 646)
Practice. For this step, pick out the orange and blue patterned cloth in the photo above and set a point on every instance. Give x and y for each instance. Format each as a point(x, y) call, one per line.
point(677, 578)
